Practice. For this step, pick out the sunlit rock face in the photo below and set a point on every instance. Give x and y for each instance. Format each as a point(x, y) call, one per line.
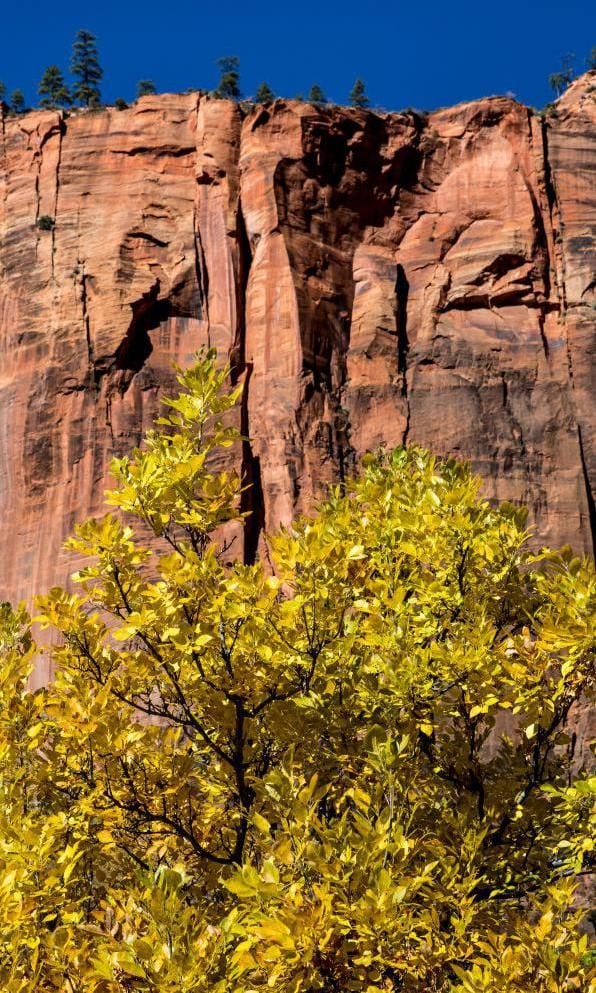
point(373, 278)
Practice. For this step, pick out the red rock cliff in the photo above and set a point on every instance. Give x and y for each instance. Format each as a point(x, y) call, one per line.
point(375, 278)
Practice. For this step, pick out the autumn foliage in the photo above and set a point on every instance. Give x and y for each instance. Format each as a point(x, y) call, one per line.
point(352, 770)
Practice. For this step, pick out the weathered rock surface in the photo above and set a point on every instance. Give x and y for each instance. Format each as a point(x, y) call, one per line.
point(375, 278)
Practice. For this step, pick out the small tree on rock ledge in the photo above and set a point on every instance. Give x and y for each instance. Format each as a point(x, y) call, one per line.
point(559, 81)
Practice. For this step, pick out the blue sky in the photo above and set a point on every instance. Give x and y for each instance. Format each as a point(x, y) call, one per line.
point(421, 54)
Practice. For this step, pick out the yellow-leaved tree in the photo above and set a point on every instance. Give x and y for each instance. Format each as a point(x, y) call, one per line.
point(353, 770)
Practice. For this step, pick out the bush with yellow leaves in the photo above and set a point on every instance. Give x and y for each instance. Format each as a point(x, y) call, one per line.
point(352, 770)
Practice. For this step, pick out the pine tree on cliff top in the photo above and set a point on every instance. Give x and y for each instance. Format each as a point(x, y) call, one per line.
point(86, 69)
point(16, 102)
point(52, 89)
point(358, 97)
point(316, 94)
point(264, 94)
point(228, 87)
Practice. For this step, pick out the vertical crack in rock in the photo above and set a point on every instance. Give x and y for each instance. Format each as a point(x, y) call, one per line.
point(589, 495)
point(541, 326)
point(55, 129)
point(109, 424)
point(85, 309)
point(238, 350)
point(515, 425)
point(541, 241)
point(402, 289)
point(3, 135)
point(61, 134)
point(554, 214)
point(201, 271)
point(252, 502)
point(342, 445)
point(37, 208)
point(555, 211)
point(4, 180)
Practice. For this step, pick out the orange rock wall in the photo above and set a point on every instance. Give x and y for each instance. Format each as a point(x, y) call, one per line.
point(374, 278)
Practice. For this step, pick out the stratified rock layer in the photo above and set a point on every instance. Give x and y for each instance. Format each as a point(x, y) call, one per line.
point(374, 278)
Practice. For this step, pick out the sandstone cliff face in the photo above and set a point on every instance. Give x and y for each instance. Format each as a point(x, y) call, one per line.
point(374, 278)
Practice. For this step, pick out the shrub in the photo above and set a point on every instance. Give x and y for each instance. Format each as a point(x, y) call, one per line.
point(146, 87)
point(45, 222)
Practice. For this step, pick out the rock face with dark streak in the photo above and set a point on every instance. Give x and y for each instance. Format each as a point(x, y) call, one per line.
point(374, 278)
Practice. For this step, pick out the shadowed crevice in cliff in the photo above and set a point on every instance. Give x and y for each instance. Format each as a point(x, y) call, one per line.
point(402, 290)
point(201, 271)
point(156, 151)
point(147, 315)
point(349, 179)
point(237, 356)
point(61, 135)
point(252, 501)
point(589, 493)
point(353, 173)
point(553, 209)
point(146, 236)
point(84, 277)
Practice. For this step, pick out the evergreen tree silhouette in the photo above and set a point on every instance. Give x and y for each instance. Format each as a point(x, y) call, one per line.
point(316, 95)
point(264, 94)
point(228, 87)
point(16, 103)
point(358, 97)
point(86, 69)
point(145, 88)
point(52, 89)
